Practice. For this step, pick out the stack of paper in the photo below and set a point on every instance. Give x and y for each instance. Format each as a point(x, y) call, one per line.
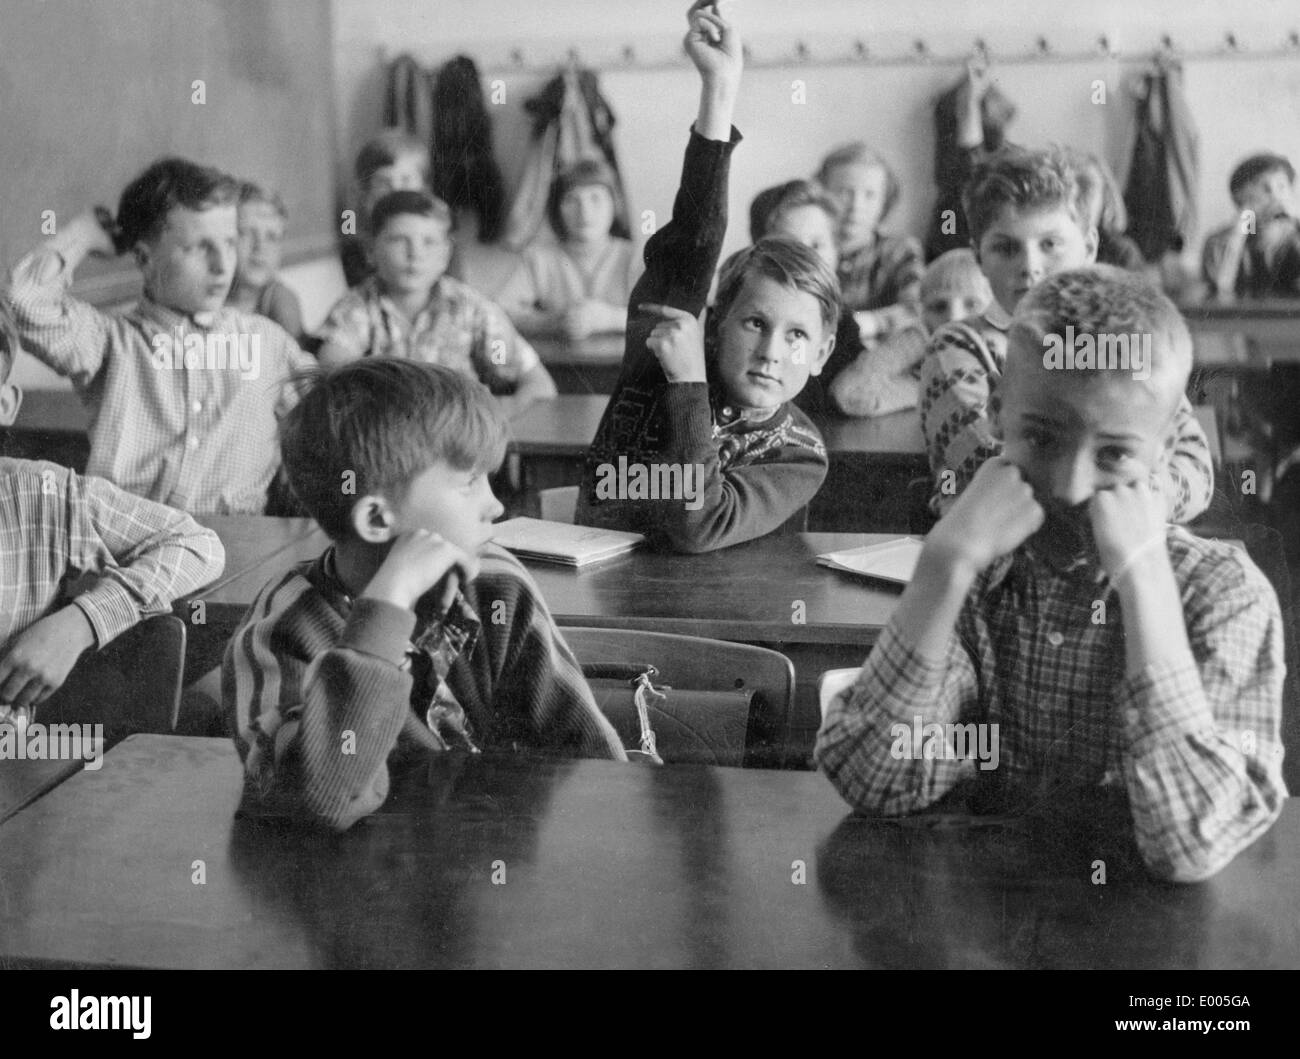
point(560, 542)
point(893, 560)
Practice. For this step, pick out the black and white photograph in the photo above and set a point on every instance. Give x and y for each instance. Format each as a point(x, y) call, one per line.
point(654, 484)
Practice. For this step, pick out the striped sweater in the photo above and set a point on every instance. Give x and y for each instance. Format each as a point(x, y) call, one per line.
point(326, 695)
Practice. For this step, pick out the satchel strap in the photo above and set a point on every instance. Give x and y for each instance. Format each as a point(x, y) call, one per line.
point(640, 676)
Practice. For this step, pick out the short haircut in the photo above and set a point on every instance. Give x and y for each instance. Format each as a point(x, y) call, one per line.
point(387, 421)
point(1024, 180)
point(170, 182)
point(251, 192)
point(385, 150)
point(583, 173)
point(1105, 300)
point(1105, 202)
point(396, 203)
point(956, 270)
point(789, 263)
point(9, 343)
point(768, 205)
point(859, 153)
point(1256, 166)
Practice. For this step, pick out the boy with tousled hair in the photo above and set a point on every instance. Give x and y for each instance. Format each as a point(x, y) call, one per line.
point(720, 403)
point(81, 562)
point(195, 435)
point(411, 633)
point(1120, 657)
point(1258, 255)
point(1029, 219)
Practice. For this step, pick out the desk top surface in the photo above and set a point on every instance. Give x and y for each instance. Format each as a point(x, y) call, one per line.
point(504, 861)
point(24, 780)
point(748, 593)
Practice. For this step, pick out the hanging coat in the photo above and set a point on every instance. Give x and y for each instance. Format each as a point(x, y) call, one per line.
point(1160, 193)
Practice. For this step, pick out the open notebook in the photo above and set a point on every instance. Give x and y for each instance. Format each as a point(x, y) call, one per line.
point(561, 542)
point(893, 560)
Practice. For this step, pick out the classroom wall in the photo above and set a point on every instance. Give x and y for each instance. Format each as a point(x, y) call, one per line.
point(1241, 105)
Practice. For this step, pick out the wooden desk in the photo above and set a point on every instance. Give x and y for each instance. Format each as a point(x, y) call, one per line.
point(589, 366)
point(605, 866)
point(22, 782)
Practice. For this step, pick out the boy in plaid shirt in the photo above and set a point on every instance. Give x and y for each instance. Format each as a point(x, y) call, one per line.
point(1112, 650)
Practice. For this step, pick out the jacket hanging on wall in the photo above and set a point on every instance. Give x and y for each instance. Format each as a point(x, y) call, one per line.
point(465, 171)
point(1161, 189)
point(571, 121)
point(408, 101)
point(953, 164)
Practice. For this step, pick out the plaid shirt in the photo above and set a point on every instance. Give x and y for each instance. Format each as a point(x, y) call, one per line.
point(958, 376)
point(884, 277)
point(1195, 743)
point(199, 438)
point(68, 539)
point(883, 379)
point(459, 328)
point(310, 665)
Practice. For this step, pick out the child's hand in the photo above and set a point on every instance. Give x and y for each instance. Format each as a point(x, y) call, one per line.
point(995, 514)
point(713, 44)
point(1127, 522)
point(678, 342)
point(417, 561)
point(583, 320)
point(868, 325)
point(86, 230)
point(40, 657)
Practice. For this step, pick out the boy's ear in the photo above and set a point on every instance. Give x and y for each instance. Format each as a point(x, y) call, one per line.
point(143, 254)
point(1091, 240)
point(11, 399)
point(823, 355)
point(373, 519)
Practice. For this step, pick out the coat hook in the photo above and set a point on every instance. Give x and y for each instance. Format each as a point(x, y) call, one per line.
point(1293, 39)
point(573, 58)
point(517, 56)
point(1230, 40)
point(1043, 47)
point(629, 54)
point(921, 48)
point(1103, 45)
point(860, 50)
point(801, 50)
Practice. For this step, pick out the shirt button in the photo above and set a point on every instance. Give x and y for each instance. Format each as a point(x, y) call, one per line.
point(1132, 716)
point(193, 442)
point(1055, 638)
point(726, 411)
point(197, 407)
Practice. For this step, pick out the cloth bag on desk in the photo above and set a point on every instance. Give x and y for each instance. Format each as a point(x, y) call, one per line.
point(674, 726)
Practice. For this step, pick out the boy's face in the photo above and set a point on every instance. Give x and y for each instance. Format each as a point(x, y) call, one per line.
point(859, 189)
point(948, 304)
point(261, 231)
point(411, 252)
point(190, 265)
point(1023, 247)
point(458, 505)
point(587, 212)
point(770, 342)
point(813, 227)
point(1074, 433)
point(1270, 195)
point(405, 174)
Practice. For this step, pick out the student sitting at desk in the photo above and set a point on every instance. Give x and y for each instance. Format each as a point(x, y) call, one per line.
point(1029, 219)
point(411, 308)
point(411, 633)
point(81, 561)
point(182, 390)
point(577, 287)
point(722, 418)
point(1258, 255)
point(1104, 649)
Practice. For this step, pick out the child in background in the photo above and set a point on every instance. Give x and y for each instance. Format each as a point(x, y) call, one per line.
point(257, 289)
point(411, 631)
point(411, 308)
point(802, 210)
point(1108, 215)
point(392, 161)
point(719, 410)
point(1258, 255)
point(1141, 711)
point(880, 273)
point(1029, 219)
point(580, 286)
point(183, 391)
point(885, 379)
point(80, 562)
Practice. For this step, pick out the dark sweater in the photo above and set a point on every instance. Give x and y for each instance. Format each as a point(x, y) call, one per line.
point(755, 476)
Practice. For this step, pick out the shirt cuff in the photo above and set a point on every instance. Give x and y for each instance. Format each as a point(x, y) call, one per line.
point(377, 627)
point(1162, 702)
point(110, 609)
